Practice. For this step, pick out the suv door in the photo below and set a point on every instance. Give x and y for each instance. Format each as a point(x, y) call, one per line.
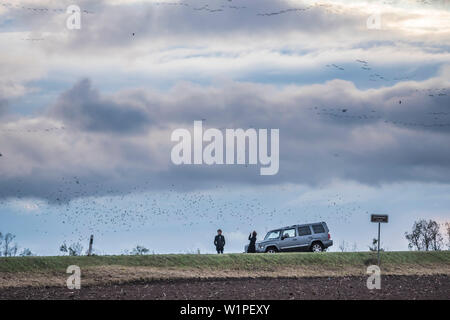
point(304, 237)
point(288, 240)
point(319, 232)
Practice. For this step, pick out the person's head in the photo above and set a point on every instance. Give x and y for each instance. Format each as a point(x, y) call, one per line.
point(219, 232)
point(254, 233)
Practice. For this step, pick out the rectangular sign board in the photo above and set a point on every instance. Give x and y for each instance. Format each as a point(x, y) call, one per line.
point(379, 218)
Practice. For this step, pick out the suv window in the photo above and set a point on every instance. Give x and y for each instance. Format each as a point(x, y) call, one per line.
point(289, 233)
point(272, 235)
point(318, 228)
point(304, 231)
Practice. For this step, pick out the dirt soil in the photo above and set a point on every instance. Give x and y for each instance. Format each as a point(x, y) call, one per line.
point(107, 275)
point(345, 287)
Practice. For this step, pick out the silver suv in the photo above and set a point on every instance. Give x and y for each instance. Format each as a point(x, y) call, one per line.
point(301, 237)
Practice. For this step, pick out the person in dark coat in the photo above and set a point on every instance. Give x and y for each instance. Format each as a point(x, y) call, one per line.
point(252, 238)
point(219, 241)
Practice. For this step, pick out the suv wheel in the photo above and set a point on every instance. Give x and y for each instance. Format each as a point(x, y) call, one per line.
point(316, 247)
point(271, 250)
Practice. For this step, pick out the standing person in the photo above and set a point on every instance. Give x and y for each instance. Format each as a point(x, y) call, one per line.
point(252, 238)
point(219, 241)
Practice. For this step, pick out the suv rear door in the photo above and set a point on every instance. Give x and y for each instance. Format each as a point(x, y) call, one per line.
point(304, 237)
point(320, 232)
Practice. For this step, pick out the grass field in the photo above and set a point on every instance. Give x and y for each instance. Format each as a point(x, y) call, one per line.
point(227, 261)
point(39, 271)
point(408, 275)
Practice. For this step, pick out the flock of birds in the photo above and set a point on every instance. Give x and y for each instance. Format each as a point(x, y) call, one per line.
point(429, 119)
point(94, 208)
point(37, 10)
point(434, 119)
point(99, 210)
point(364, 65)
point(52, 129)
point(327, 7)
point(205, 7)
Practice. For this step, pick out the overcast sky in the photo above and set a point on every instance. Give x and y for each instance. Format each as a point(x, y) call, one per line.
point(86, 117)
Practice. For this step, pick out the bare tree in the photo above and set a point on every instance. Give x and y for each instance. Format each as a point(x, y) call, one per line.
point(63, 247)
point(74, 249)
point(374, 246)
point(425, 236)
point(434, 233)
point(26, 253)
point(9, 249)
point(139, 250)
point(415, 237)
point(343, 246)
point(13, 250)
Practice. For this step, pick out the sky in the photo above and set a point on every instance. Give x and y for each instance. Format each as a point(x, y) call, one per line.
point(359, 90)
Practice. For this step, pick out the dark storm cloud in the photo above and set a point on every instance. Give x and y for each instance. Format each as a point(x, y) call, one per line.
point(327, 132)
point(83, 108)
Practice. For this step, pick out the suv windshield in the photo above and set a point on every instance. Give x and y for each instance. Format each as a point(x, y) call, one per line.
point(272, 235)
